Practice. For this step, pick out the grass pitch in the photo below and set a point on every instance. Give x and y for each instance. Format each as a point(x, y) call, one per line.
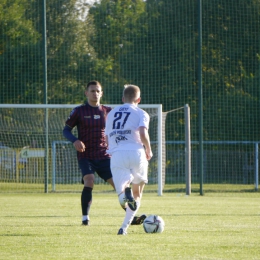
point(48, 226)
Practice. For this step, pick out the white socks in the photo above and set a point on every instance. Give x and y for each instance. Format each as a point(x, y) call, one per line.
point(129, 215)
point(85, 217)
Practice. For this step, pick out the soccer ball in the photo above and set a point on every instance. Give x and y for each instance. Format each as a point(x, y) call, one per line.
point(153, 224)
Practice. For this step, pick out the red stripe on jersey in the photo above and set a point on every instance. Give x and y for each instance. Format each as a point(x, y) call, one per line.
point(90, 123)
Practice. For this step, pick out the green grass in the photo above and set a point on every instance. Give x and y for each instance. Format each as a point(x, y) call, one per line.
point(48, 226)
point(14, 187)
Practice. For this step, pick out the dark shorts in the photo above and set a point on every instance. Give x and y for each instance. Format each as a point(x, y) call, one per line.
point(101, 167)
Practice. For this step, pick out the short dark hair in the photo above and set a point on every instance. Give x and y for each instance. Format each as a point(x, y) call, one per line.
point(93, 82)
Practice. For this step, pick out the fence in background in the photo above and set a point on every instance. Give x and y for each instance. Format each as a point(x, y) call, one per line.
point(221, 166)
point(152, 44)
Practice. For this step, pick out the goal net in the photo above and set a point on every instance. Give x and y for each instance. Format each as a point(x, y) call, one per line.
point(34, 155)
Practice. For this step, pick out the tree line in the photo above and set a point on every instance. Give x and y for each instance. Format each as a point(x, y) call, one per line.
point(153, 44)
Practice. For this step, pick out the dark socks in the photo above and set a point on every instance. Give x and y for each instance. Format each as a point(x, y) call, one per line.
point(86, 200)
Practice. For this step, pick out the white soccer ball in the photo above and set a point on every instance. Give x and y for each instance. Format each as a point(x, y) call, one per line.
point(153, 224)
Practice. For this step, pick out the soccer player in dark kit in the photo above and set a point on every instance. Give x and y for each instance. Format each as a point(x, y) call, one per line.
point(91, 145)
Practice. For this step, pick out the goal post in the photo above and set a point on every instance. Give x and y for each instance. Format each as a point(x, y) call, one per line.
point(187, 149)
point(23, 127)
point(187, 143)
point(155, 131)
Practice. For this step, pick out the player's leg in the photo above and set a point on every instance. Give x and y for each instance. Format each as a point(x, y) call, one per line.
point(129, 218)
point(139, 165)
point(137, 220)
point(140, 171)
point(110, 181)
point(130, 198)
point(122, 178)
point(131, 212)
point(104, 172)
point(121, 196)
point(86, 196)
point(138, 190)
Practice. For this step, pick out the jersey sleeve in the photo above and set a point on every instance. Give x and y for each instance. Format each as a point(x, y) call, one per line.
point(108, 109)
point(144, 119)
point(72, 119)
point(67, 134)
point(107, 123)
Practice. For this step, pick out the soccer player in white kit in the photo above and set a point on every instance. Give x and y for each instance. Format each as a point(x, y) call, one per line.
point(129, 144)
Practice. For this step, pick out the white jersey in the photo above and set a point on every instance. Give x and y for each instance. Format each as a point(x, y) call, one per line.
point(122, 127)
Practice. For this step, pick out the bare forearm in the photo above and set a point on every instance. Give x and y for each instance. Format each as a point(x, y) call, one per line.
point(146, 142)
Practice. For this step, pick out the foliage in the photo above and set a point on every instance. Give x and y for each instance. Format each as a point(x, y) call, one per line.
point(18, 41)
point(116, 26)
point(153, 44)
point(231, 70)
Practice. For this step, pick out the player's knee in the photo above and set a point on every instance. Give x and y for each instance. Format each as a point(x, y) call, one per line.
point(89, 180)
point(110, 181)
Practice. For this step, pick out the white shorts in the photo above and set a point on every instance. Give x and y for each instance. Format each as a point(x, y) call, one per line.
point(127, 167)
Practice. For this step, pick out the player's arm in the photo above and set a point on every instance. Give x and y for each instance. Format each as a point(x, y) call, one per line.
point(108, 151)
point(107, 141)
point(79, 146)
point(144, 135)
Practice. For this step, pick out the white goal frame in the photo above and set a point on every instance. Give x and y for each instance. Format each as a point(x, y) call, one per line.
point(143, 106)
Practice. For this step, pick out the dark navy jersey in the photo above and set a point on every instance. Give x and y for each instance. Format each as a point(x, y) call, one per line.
point(90, 123)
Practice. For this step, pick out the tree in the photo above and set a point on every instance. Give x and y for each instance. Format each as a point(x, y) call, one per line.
point(231, 70)
point(116, 25)
point(70, 57)
point(18, 52)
